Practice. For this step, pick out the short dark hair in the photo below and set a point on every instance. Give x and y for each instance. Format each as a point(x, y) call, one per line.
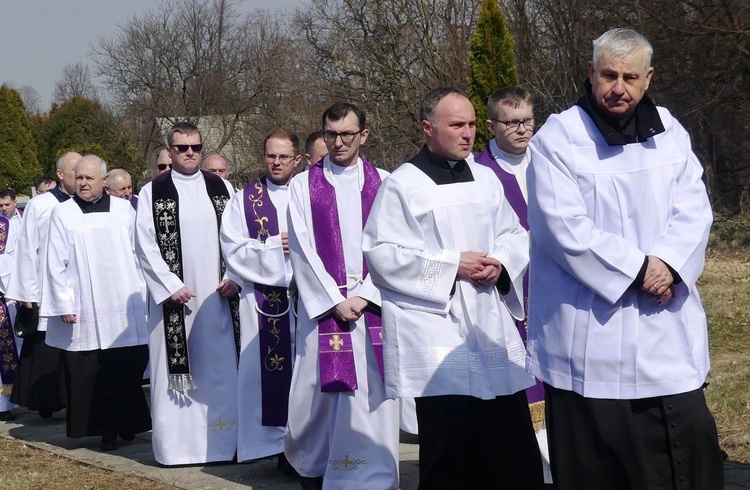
point(44, 179)
point(311, 139)
point(508, 96)
point(182, 127)
point(431, 100)
point(8, 192)
point(282, 134)
point(340, 110)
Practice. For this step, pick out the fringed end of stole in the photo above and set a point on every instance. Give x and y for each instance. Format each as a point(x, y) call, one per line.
point(181, 382)
point(537, 415)
point(6, 390)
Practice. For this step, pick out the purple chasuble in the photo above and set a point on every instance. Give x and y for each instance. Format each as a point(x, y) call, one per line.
point(513, 194)
point(8, 353)
point(335, 351)
point(274, 329)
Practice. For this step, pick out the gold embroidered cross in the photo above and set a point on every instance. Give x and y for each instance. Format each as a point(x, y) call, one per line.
point(336, 342)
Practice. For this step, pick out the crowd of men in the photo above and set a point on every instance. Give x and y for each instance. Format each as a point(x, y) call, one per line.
point(531, 310)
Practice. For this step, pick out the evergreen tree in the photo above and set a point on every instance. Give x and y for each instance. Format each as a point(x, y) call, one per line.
point(85, 126)
point(19, 165)
point(491, 63)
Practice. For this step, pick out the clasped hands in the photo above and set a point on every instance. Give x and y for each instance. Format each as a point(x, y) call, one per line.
point(658, 280)
point(479, 268)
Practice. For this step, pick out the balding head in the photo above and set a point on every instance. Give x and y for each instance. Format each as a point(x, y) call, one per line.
point(216, 164)
point(89, 174)
point(65, 173)
point(119, 183)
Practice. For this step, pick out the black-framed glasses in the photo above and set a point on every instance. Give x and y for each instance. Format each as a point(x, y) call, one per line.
point(183, 148)
point(346, 137)
point(282, 158)
point(513, 125)
point(164, 166)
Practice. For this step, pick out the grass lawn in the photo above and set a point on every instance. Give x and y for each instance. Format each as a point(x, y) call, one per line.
point(725, 290)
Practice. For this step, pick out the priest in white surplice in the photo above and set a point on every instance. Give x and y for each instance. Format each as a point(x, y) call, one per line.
point(94, 299)
point(10, 344)
point(37, 383)
point(448, 254)
point(342, 430)
point(255, 242)
point(193, 356)
point(619, 222)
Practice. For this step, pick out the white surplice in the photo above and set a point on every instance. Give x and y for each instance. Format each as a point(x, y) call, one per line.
point(436, 342)
point(516, 165)
point(255, 263)
point(199, 426)
point(91, 271)
point(7, 259)
point(595, 211)
point(350, 437)
point(26, 278)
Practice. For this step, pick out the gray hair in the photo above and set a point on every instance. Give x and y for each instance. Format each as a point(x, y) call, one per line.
point(621, 43)
point(99, 160)
point(117, 174)
point(431, 100)
point(61, 161)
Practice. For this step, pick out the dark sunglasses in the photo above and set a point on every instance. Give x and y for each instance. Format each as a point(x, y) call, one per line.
point(183, 148)
point(162, 166)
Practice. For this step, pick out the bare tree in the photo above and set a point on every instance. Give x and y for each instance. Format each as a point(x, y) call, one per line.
point(385, 56)
point(32, 101)
point(75, 81)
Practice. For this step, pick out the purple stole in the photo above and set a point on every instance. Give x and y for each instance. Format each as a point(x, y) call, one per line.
point(8, 353)
point(134, 201)
point(513, 194)
point(274, 329)
point(335, 350)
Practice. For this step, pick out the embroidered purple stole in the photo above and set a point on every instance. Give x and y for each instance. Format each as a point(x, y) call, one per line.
point(168, 238)
point(8, 352)
point(272, 306)
point(335, 350)
point(515, 198)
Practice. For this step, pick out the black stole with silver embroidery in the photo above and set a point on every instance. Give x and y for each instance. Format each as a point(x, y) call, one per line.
point(167, 225)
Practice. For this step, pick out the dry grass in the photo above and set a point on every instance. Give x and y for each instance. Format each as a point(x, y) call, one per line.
point(27, 468)
point(725, 290)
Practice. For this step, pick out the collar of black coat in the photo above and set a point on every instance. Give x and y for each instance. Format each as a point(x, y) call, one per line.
point(59, 194)
point(644, 123)
point(101, 205)
point(439, 170)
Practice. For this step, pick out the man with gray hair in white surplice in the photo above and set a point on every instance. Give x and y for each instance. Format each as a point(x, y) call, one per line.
point(619, 220)
point(99, 322)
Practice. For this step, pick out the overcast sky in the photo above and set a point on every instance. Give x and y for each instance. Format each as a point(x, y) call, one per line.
point(39, 37)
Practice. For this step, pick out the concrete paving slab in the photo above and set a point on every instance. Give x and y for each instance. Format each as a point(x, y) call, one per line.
point(136, 458)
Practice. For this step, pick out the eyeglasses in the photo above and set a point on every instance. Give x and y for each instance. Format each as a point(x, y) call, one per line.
point(346, 137)
point(528, 123)
point(183, 148)
point(163, 166)
point(282, 158)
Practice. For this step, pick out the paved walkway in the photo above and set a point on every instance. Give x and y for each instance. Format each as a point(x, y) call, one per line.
point(136, 458)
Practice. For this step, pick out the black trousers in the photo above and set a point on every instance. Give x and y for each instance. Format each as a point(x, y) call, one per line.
point(666, 442)
point(38, 384)
point(470, 444)
point(104, 393)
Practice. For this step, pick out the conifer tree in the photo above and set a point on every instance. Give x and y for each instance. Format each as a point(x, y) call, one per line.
point(491, 63)
point(18, 165)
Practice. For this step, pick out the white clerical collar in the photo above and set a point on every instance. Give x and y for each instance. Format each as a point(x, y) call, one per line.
point(186, 177)
point(275, 187)
point(330, 169)
point(509, 158)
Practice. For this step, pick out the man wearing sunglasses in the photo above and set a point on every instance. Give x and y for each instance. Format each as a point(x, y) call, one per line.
point(192, 305)
point(163, 162)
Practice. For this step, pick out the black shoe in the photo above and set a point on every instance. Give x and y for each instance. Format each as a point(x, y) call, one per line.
point(308, 483)
point(6, 416)
point(283, 465)
point(45, 414)
point(127, 436)
point(109, 442)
